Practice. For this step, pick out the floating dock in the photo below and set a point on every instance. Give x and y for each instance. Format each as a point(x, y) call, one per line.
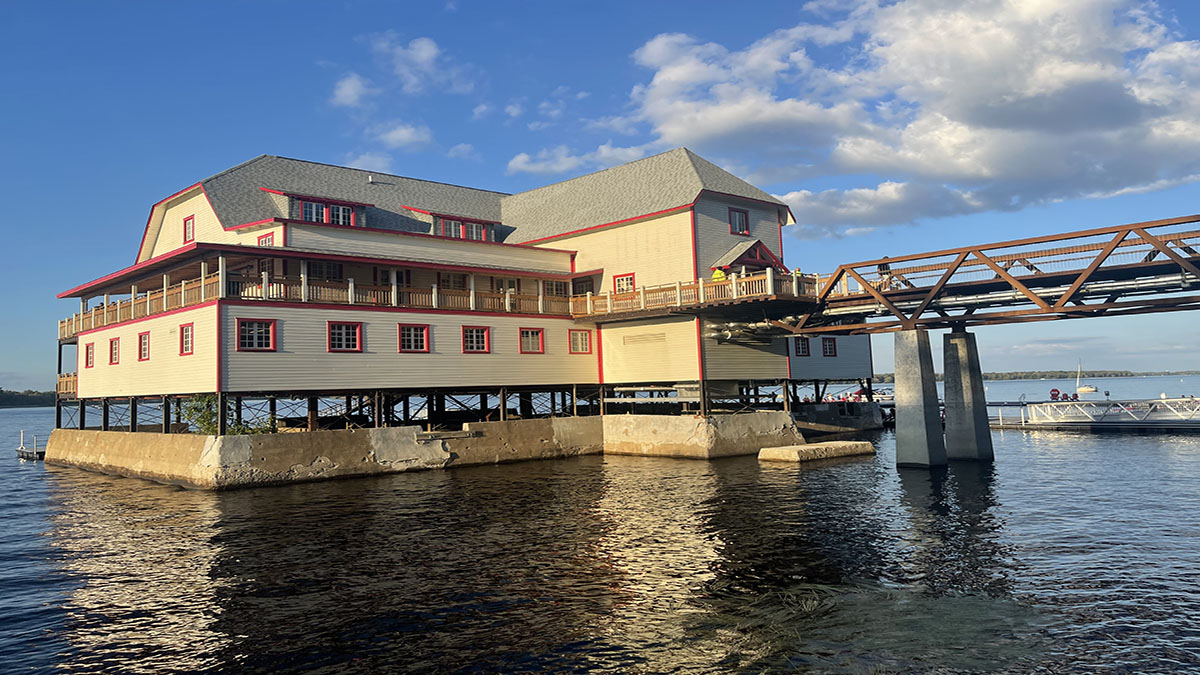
point(1163, 415)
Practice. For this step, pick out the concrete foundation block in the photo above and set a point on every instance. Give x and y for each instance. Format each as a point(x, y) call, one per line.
point(919, 440)
point(814, 451)
point(968, 435)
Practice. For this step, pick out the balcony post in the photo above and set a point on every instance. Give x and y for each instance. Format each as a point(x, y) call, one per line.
point(133, 301)
point(435, 296)
point(350, 294)
point(608, 302)
point(642, 296)
point(541, 297)
point(733, 291)
point(591, 308)
point(795, 284)
point(106, 309)
point(166, 287)
point(303, 281)
point(471, 283)
point(508, 299)
point(222, 277)
point(203, 280)
point(266, 283)
point(395, 287)
point(770, 281)
point(701, 280)
point(679, 294)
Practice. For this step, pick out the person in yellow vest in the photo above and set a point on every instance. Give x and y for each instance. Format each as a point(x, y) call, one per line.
point(718, 274)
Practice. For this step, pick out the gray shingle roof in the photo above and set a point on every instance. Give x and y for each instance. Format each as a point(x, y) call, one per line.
point(237, 199)
point(657, 183)
point(734, 253)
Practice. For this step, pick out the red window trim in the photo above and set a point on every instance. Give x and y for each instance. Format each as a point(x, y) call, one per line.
point(632, 276)
point(441, 229)
point(807, 348)
point(139, 345)
point(487, 340)
point(400, 335)
point(831, 342)
point(189, 220)
point(268, 236)
point(541, 340)
point(111, 342)
point(237, 335)
point(92, 347)
point(570, 348)
point(193, 350)
point(744, 212)
point(358, 340)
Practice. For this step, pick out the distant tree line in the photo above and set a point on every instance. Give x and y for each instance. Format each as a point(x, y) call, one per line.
point(1054, 374)
point(27, 398)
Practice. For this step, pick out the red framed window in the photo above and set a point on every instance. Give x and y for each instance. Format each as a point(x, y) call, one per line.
point(828, 346)
point(144, 346)
point(580, 341)
point(89, 355)
point(341, 215)
point(256, 335)
point(533, 341)
point(189, 229)
point(461, 229)
point(313, 212)
point(267, 239)
point(802, 347)
point(344, 336)
point(114, 351)
point(739, 221)
point(476, 340)
point(474, 231)
point(187, 339)
point(413, 338)
point(624, 283)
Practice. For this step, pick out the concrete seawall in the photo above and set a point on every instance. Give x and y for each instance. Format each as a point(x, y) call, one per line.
point(224, 462)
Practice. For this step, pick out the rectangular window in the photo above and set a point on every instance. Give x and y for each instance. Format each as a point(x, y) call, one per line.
point(533, 341)
point(256, 335)
point(581, 341)
point(476, 340)
point(474, 231)
point(739, 222)
point(828, 346)
point(312, 212)
point(324, 271)
point(89, 355)
point(266, 239)
point(344, 337)
point(186, 339)
point(114, 351)
point(500, 285)
point(623, 284)
point(583, 286)
point(452, 228)
point(453, 282)
point(341, 215)
point(556, 289)
point(414, 338)
point(802, 346)
point(144, 346)
point(189, 229)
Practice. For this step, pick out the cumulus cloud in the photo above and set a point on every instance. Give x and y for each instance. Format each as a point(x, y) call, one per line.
point(514, 109)
point(480, 111)
point(930, 108)
point(351, 90)
point(462, 151)
point(421, 64)
point(561, 159)
point(370, 161)
point(405, 136)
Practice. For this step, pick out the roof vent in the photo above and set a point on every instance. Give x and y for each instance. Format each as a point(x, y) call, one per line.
point(370, 178)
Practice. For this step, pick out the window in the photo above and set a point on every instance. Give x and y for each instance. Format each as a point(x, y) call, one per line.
point(557, 289)
point(623, 284)
point(312, 212)
point(414, 338)
point(581, 341)
point(739, 222)
point(500, 285)
point(267, 239)
point(256, 335)
point(828, 346)
point(802, 346)
point(533, 341)
point(583, 286)
point(452, 228)
point(475, 231)
point(476, 340)
point(453, 282)
point(324, 271)
point(89, 355)
point(144, 346)
point(189, 229)
point(114, 351)
point(341, 215)
point(344, 337)
point(186, 339)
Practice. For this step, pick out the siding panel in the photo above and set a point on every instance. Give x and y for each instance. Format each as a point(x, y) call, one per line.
point(713, 239)
point(657, 251)
point(661, 350)
point(745, 361)
point(853, 360)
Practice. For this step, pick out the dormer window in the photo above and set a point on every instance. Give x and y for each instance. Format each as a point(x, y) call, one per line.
point(189, 229)
point(341, 215)
point(461, 229)
point(313, 212)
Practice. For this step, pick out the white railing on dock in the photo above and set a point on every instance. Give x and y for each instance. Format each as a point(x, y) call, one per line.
point(1153, 411)
point(769, 284)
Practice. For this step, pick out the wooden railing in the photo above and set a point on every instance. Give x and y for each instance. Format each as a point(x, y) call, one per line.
point(290, 289)
point(66, 387)
point(764, 285)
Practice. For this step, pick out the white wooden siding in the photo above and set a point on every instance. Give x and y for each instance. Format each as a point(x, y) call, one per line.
point(659, 350)
point(167, 372)
point(853, 360)
point(302, 362)
point(657, 251)
point(713, 239)
point(427, 249)
point(765, 360)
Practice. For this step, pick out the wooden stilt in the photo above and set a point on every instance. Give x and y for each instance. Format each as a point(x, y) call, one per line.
point(103, 414)
point(222, 414)
point(166, 414)
point(133, 414)
point(313, 420)
point(272, 412)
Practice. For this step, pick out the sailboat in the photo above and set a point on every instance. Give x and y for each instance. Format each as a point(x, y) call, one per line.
point(1082, 388)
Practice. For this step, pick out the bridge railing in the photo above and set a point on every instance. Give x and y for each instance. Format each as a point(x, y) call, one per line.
point(734, 288)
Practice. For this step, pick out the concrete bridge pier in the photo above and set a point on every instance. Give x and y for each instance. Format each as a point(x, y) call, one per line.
point(968, 435)
point(919, 439)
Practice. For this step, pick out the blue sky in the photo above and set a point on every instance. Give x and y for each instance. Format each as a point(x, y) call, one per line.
point(889, 127)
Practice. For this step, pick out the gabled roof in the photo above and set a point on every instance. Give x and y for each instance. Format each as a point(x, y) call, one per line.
point(747, 252)
point(237, 199)
point(659, 183)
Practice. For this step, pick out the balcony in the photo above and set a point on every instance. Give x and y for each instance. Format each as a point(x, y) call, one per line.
point(66, 386)
point(668, 298)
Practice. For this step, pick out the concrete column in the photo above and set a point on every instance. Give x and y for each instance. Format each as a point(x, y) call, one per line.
point(222, 414)
point(133, 414)
point(166, 414)
point(919, 439)
point(967, 433)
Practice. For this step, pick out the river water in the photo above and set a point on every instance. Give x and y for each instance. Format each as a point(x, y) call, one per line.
point(1072, 553)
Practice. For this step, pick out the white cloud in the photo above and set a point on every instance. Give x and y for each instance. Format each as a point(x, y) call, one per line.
point(538, 125)
point(555, 105)
point(560, 159)
point(463, 151)
point(405, 136)
point(931, 108)
point(370, 161)
point(480, 111)
point(514, 109)
point(420, 64)
point(351, 90)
